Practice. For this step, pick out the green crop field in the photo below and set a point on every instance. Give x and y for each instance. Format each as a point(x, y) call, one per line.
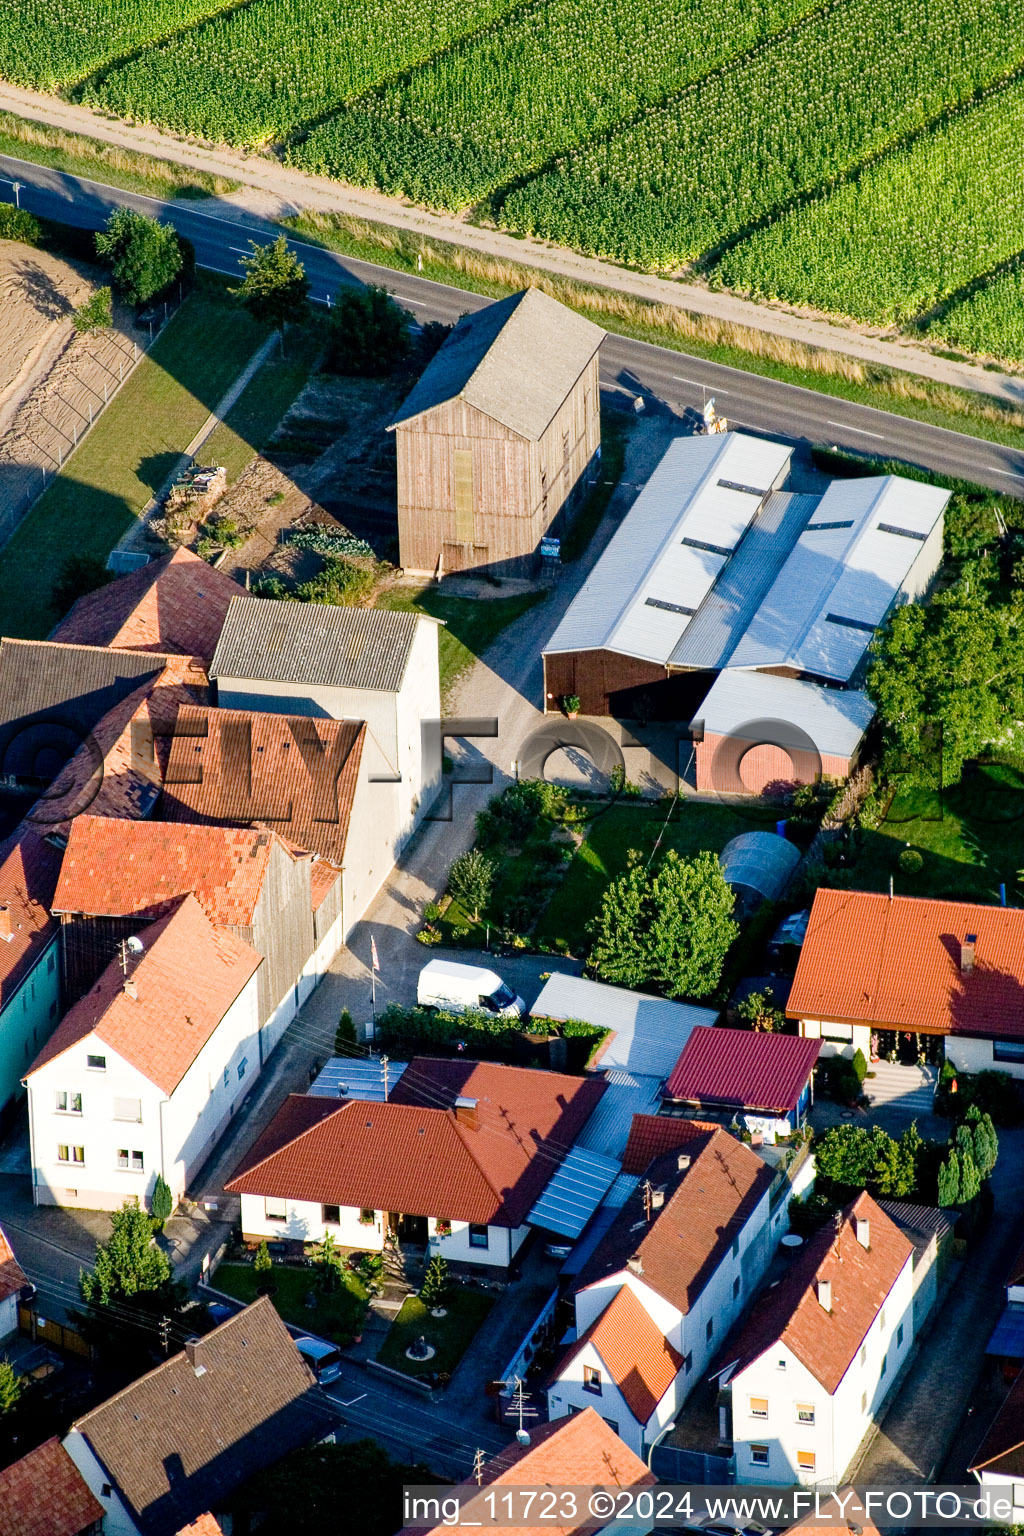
point(858, 156)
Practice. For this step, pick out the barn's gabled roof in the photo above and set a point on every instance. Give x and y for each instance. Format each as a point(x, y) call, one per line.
point(516, 361)
point(270, 640)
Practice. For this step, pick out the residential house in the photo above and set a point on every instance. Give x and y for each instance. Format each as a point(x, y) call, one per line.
point(206, 1525)
point(30, 991)
point(44, 1494)
point(689, 1246)
point(998, 1463)
point(818, 1355)
point(876, 968)
point(12, 1281)
point(1007, 1341)
point(730, 1074)
point(117, 875)
point(304, 777)
point(357, 664)
point(459, 1157)
point(144, 1073)
point(930, 1233)
point(176, 605)
point(498, 438)
point(581, 1451)
point(182, 1439)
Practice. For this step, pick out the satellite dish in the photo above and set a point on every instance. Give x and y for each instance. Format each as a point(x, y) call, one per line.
point(135, 945)
point(522, 1437)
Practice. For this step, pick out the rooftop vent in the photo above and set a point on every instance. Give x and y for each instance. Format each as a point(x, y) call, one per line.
point(862, 1231)
point(635, 1265)
point(824, 1293)
point(465, 1111)
point(683, 1161)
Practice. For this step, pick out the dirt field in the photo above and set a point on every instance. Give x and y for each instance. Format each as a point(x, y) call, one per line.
point(37, 295)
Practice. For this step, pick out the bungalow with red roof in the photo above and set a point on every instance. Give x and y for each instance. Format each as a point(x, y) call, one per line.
point(457, 1157)
point(44, 1494)
point(666, 1283)
point(998, 1463)
point(12, 1279)
point(144, 1073)
point(728, 1073)
point(879, 967)
point(820, 1352)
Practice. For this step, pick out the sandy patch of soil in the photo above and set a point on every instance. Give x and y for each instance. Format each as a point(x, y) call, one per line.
point(38, 294)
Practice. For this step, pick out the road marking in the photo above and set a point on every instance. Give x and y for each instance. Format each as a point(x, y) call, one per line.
point(239, 251)
point(693, 382)
point(845, 427)
point(351, 1402)
point(419, 303)
point(996, 471)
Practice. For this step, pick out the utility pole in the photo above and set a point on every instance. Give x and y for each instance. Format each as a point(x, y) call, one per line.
point(384, 1075)
point(478, 1467)
point(165, 1334)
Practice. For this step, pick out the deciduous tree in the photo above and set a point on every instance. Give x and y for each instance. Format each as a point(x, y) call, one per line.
point(693, 924)
point(96, 314)
point(275, 290)
point(368, 333)
point(144, 254)
point(620, 933)
point(471, 881)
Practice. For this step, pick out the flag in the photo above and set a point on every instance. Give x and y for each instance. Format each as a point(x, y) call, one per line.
point(373, 954)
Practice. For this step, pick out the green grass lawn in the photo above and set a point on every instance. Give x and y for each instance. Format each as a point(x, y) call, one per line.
point(471, 624)
point(336, 1316)
point(451, 1336)
point(251, 421)
point(512, 871)
point(971, 838)
point(692, 827)
point(127, 455)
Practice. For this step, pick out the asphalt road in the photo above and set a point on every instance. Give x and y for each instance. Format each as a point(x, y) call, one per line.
point(656, 373)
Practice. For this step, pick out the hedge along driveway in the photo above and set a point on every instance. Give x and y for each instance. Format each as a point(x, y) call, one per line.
point(128, 454)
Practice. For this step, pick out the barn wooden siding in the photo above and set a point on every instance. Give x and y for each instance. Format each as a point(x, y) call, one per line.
point(594, 676)
point(474, 493)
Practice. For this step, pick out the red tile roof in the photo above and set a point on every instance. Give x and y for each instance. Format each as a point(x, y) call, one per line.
point(636, 1354)
point(206, 1525)
point(179, 991)
point(580, 1450)
point(896, 962)
point(231, 766)
point(29, 871)
point(853, 1523)
point(651, 1136)
point(743, 1068)
point(44, 1494)
point(1002, 1450)
point(174, 604)
point(12, 1276)
point(861, 1278)
point(413, 1154)
point(137, 869)
point(706, 1205)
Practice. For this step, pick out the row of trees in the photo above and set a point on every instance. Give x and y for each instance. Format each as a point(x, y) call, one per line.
point(851, 1157)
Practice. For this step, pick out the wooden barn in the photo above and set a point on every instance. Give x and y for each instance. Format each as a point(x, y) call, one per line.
point(497, 441)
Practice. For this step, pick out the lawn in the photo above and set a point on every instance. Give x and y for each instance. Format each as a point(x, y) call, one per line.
point(336, 1317)
point(471, 624)
point(451, 1336)
point(251, 421)
point(971, 838)
point(514, 871)
point(691, 827)
point(127, 455)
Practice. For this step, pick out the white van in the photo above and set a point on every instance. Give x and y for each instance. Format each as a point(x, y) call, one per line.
point(458, 988)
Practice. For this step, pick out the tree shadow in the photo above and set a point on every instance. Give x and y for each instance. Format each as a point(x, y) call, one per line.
point(41, 291)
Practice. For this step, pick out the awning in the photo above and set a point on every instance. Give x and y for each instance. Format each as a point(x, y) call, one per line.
point(575, 1193)
point(1008, 1339)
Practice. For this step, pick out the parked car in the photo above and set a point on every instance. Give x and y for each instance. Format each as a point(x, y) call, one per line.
point(459, 988)
point(323, 1359)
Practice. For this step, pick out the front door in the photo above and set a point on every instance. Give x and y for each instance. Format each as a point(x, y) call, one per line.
point(412, 1230)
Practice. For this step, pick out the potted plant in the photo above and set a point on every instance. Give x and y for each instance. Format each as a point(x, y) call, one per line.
point(570, 705)
point(443, 1228)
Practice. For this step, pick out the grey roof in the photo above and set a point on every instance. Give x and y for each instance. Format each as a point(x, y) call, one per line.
point(710, 636)
point(649, 1032)
point(834, 718)
point(916, 1218)
point(761, 861)
point(516, 361)
point(842, 576)
point(673, 546)
point(627, 1094)
point(572, 1196)
point(356, 1077)
point(270, 640)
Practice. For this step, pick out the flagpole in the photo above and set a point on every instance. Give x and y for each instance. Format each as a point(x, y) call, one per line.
point(373, 984)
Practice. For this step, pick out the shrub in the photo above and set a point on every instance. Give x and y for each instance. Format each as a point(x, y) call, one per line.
point(431, 911)
point(435, 1287)
point(161, 1204)
point(860, 1065)
point(96, 314)
point(471, 881)
point(367, 333)
point(340, 581)
point(911, 861)
point(571, 703)
point(77, 575)
point(17, 224)
point(345, 1036)
point(262, 1263)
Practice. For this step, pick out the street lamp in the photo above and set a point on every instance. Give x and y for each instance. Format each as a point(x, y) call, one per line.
point(17, 185)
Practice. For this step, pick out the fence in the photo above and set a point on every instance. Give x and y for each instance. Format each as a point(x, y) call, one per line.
point(45, 1330)
point(673, 1464)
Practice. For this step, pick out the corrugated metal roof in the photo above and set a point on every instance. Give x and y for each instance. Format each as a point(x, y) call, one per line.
point(1008, 1338)
point(271, 640)
point(834, 718)
point(742, 1068)
point(516, 360)
point(627, 1094)
point(842, 576)
point(648, 1032)
point(762, 861)
point(705, 489)
point(575, 1192)
point(356, 1077)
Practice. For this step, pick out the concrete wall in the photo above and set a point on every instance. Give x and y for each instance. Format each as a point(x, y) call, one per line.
point(838, 1039)
point(8, 1316)
point(116, 1519)
point(304, 1223)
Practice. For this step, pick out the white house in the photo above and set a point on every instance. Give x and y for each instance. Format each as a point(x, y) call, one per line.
point(456, 1158)
point(372, 664)
point(689, 1246)
point(821, 1350)
point(12, 1278)
point(144, 1073)
point(998, 1463)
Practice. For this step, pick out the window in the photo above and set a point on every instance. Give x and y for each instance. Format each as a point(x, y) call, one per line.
point(805, 1413)
point(478, 1237)
point(242, 1066)
point(591, 1379)
point(758, 1407)
point(688, 1362)
point(367, 1218)
point(736, 1247)
point(66, 1154)
point(709, 1331)
point(736, 1287)
point(899, 1337)
point(759, 1455)
point(780, 1364)
point(331, 1215)
point(839, 1034)
point(885, 1366)
point(613, 1425)
point(138, 1163)
point(69, 1103)
point(122, 1157)
point(881, 1320)
point(863, 1354)
point(96, 1063)
point(133, 1160)
point(50, 963)
point(275, 1210)
point(805, 1461)
point(128, 1109)
point(1008, 1050)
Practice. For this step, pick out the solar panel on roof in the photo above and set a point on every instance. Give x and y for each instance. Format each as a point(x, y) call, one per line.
point(903, 533)
point(827, 527)
point(748, 490)
point(838, 618)
point(659, 602)
point(712, 549)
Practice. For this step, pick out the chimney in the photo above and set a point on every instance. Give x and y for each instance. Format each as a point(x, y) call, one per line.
point(6, 923)
point(130, 989)
point(824, 1291)
point(967, 954)
point(192, 1356)
point(465, 1112)
point(657, 1199)
point(683, 1161)
point(635, 1265)
point(862, 1231)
